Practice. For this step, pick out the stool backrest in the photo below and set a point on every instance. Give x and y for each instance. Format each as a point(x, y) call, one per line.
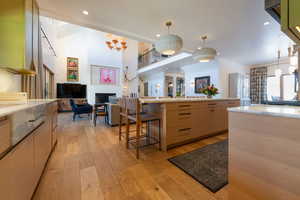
point(122, 104)
point(133, 106)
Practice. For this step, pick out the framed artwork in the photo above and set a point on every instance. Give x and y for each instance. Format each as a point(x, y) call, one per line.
point(108, 76)
point(102, 75)
point(201, 82)
point(72, 69)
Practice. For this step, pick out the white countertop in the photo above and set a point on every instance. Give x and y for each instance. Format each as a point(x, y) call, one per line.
point(174, 100)
point(271, 110)
point(9, 107)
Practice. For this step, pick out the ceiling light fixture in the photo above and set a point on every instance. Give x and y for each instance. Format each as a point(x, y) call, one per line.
point(157, 35)
point(116, 43)
point(85, 12)
point(298, 28)
point(168, 44)
point(205, 54)
point(266, 23)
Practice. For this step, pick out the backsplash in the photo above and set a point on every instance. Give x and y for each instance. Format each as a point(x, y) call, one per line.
point(9, 82)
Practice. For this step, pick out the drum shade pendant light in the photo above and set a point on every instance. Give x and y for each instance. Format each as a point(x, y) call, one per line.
point(168, 44)
point(204, 54)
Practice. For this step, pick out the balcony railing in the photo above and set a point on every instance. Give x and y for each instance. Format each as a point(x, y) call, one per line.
point(150, 57)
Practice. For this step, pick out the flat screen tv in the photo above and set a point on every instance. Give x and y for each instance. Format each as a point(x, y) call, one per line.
point(68, 90)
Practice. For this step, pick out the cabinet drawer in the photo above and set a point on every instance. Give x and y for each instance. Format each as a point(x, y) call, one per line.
point(176, 118)
point(179, 134)
point(5, 134)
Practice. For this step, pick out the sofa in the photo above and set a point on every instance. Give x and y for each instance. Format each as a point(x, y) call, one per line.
point(113, 111)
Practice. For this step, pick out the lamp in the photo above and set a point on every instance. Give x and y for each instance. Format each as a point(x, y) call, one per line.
point(204, 54)
point(168, 44)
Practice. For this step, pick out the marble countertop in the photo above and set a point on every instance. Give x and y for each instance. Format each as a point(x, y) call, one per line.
point(9, 107)
point(174, 100)
point(271, 110)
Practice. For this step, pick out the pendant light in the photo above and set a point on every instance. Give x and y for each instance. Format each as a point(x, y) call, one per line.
point(168, 44)
point(204, 54)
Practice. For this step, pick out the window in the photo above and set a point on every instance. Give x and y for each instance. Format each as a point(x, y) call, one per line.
point(289, 84)
point(273, 88)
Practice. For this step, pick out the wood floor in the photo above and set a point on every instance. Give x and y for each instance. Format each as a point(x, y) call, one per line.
point(91, 164)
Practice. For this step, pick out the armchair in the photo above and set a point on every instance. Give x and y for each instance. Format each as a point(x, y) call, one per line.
point(80, 109)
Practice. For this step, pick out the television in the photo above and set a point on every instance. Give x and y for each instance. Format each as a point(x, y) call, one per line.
point(68, 90)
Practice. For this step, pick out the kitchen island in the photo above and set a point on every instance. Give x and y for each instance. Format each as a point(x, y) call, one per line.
point(264, 152)
point(185, 120)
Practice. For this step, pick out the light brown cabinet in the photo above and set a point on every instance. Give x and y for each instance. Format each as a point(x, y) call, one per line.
point(187, 121)
point(16, 171)
point(42, 148)
point(22, 167)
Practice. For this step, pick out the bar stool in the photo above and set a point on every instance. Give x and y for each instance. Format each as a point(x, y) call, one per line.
point(135, 115)
point(123, 115)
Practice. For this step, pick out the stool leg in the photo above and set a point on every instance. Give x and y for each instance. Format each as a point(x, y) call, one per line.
point(127, 132)
point(138, 129)
point(159, 134)
point(120, 128)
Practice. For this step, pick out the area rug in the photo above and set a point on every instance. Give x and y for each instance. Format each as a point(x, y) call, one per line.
point(207, 165)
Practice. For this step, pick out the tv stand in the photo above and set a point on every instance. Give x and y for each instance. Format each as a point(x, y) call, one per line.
point(64, 103)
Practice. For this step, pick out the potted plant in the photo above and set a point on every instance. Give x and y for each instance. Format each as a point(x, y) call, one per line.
point(210, 91)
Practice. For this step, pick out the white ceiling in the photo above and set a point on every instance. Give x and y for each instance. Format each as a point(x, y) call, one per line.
point(234, 27)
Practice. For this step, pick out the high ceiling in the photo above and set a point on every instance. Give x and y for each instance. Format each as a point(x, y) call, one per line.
point(234, 27)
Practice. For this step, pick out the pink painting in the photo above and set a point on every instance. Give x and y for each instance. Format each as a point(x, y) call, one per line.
point(108, 76)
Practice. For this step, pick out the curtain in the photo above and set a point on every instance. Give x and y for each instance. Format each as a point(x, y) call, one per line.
point(258, 85)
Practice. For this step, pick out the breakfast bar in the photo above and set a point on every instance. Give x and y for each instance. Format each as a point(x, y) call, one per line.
point(185, 120)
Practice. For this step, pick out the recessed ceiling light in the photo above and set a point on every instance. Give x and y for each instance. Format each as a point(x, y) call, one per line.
point(266, 23)
point(298, 28)
point(199, 48)
point(85, 12)
point(158, 35)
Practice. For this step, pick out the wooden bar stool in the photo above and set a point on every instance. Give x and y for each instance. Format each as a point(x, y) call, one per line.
point(123, 115)
point(135, 115)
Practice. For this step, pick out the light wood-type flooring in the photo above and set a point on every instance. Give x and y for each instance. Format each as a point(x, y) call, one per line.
point(89, 163)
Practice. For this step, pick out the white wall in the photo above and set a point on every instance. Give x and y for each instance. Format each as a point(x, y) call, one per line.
point(89, 46)
point(130, 59)
point(153, 80)
point(218, 70)
point(198, 70)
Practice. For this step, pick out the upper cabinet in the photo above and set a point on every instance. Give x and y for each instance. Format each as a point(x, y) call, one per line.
point(290, 19)
point(19, 36)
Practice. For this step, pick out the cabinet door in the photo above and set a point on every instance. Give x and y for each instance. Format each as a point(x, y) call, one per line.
point(294, 8)
point(35, 35)
point(28, 34)
point(22, 169)
point(42, 146)
point(6, 175)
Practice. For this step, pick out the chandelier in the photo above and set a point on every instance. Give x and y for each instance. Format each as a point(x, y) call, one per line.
point(204, 54)
point(116, 43)
point(169, 44)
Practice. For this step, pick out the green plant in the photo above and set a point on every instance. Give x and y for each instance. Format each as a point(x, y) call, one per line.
point(210, 90)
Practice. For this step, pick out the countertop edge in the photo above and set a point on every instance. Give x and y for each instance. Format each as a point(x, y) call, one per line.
point(264, 113)
point(185, 100)
point(13, 107)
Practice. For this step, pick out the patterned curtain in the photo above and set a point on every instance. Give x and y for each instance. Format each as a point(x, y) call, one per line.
point(258, 85)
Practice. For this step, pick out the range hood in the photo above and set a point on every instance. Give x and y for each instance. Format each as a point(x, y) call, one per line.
point(287, 13)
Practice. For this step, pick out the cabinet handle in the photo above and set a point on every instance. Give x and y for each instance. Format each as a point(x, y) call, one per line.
point(212, 104)
point(184, 106)
point(2, 119)
point(184, 129)
point(184, 114)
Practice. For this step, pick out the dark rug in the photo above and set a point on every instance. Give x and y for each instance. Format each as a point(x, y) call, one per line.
point(207, 165)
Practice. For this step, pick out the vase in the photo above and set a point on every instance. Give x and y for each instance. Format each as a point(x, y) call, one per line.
point(209, 96)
